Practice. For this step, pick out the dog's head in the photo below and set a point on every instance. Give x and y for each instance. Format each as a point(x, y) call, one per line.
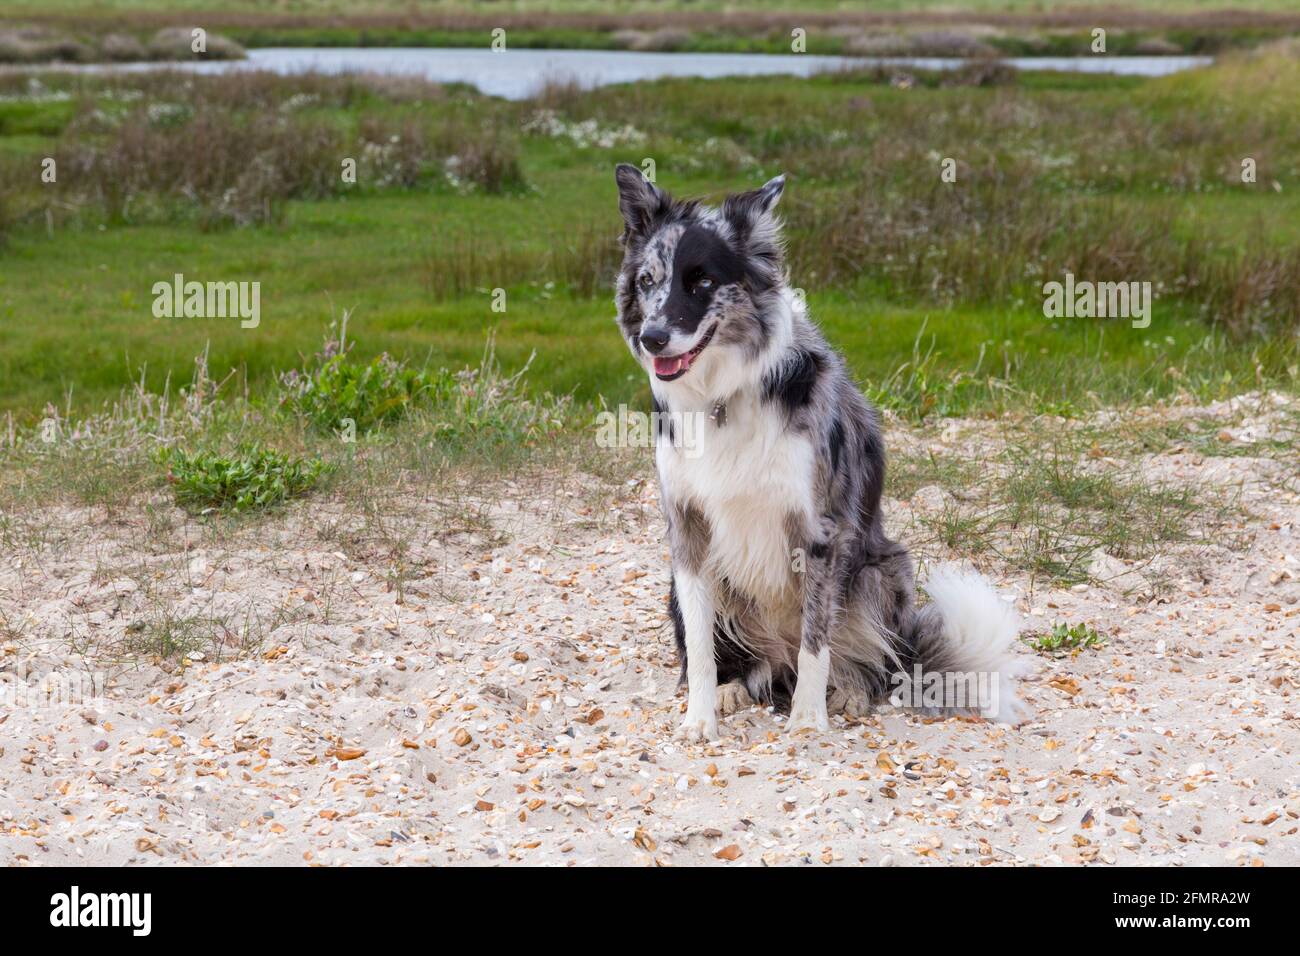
point(696, 280)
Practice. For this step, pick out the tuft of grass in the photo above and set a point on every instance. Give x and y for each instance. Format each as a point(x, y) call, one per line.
point(161, 633)
point(252, 478)
point(1063, 638)
point(920, 388)
point(906, 473)
point(1061, 512)
point(1050, 506)
point(487, 159)
point(168, 635)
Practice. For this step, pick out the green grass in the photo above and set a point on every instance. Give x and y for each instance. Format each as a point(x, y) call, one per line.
point(75, 317)
point(96, 286)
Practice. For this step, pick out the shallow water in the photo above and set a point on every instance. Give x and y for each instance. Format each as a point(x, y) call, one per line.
point(515, 74)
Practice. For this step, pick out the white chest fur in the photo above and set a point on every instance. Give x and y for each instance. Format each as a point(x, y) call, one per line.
point(748, 477)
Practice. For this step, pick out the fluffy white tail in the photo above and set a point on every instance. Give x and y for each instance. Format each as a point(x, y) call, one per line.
point(968, 630)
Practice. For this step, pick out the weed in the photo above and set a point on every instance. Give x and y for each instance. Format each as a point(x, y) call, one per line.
point(336, 392)
point(251, 478)
point(1064, 638)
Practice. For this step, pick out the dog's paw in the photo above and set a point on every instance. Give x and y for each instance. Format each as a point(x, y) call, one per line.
point(804, 719)
point(850, 704)
point(698, 727)
point(733, 696)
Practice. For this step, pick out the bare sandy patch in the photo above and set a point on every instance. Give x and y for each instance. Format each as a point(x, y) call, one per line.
point(295, 691)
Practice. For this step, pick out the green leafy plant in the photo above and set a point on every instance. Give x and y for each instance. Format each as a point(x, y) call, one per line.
point(250, 478)
point(336, 391)
point(471, 410)
point(1066, 637)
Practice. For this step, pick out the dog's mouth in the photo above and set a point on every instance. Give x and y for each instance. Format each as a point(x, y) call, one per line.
point(669, 368)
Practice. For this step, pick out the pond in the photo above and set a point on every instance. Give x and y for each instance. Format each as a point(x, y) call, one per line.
point(516, 74)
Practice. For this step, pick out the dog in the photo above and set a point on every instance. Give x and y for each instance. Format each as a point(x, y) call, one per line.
point(784, 588)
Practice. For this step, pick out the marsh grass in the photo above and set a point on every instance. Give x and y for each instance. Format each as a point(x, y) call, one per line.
point(177, 148)
point(1049, 182)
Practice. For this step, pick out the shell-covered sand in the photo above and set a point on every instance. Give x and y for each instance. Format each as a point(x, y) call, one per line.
point(514, 701)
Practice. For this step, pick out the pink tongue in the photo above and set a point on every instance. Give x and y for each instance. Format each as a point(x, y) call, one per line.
point(670, 366)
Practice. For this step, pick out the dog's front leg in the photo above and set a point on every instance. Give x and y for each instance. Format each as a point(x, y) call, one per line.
point(698, 614)
point(808, 708)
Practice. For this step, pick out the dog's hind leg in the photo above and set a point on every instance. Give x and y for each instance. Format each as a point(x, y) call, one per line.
point(850, 702)
point(732, 697)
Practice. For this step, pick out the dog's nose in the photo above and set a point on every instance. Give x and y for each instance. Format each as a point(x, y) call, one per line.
point(654, 340)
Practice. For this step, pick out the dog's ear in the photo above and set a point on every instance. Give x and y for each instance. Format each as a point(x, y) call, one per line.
point(747, 212)
point(639, 200)
point(756, 230)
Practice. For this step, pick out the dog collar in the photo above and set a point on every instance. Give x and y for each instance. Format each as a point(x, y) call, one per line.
point(719, 414)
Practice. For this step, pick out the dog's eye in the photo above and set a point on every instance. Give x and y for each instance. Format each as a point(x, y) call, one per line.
point(703, 284)
point(646, 281)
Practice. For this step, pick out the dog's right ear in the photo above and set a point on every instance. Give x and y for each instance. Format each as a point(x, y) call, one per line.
point(639, 200)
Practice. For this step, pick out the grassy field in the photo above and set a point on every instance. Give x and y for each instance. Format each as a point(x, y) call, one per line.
point(932, 289)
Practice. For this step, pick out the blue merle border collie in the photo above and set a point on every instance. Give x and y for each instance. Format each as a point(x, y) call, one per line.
point(785, 589)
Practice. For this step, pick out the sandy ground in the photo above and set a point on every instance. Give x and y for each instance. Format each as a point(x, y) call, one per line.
point(515, 701)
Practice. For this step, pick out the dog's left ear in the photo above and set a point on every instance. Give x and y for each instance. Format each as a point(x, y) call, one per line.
point(746, 211)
